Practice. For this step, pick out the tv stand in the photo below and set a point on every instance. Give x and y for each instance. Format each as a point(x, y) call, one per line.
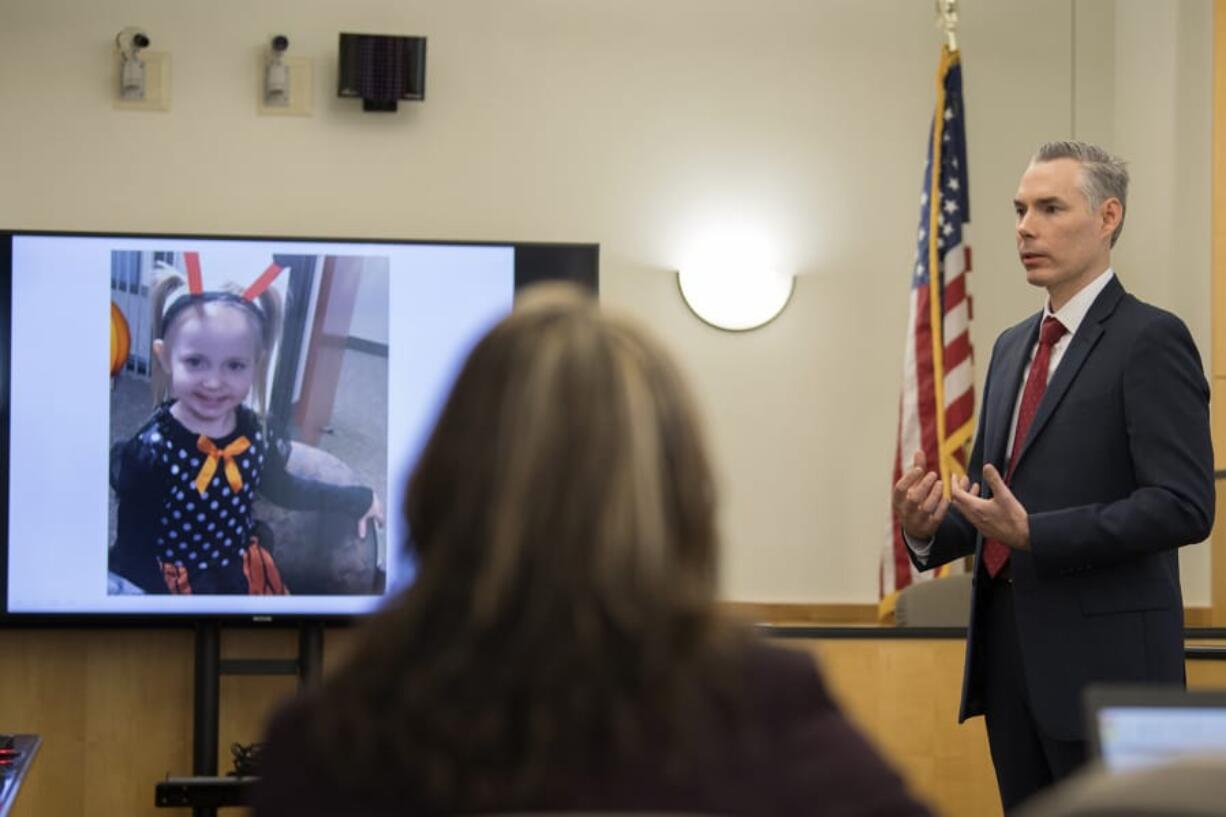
point(205, 791)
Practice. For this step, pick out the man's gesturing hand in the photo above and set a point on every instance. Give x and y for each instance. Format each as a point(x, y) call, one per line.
point(918, 500)
point(1001, 518)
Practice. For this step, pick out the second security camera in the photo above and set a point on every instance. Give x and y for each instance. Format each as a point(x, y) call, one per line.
point(130, 42)
point(276, 73)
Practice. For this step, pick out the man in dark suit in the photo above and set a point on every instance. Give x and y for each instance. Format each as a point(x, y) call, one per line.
point(1092, 464)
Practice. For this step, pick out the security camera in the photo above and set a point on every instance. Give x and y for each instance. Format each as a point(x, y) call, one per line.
point(276, 73)
point(130, 42)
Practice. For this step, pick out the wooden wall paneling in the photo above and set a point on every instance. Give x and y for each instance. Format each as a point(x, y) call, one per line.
point(1206, 674)
point(834, 615)
point(792, 613)
point(113, 708)
point(138, 716)
point(247, 701)
point(42, 691)
point(903, 693)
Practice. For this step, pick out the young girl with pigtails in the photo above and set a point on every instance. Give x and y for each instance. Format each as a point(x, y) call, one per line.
point(187, 479)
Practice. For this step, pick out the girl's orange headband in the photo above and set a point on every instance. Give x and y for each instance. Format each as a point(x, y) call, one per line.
point(196, 293)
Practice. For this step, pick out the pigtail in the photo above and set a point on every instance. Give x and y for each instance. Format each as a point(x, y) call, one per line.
point(270, 333)
point(268, 306)
point(158, 296)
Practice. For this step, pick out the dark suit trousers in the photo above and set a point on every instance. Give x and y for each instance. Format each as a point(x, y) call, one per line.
point(1026, 760)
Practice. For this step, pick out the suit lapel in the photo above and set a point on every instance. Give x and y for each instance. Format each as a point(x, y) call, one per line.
point(1075, 356)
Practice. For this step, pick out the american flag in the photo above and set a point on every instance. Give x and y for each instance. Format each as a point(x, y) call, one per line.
point(937, 408)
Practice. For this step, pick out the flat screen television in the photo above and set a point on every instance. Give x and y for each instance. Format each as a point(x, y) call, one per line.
point(371, 335)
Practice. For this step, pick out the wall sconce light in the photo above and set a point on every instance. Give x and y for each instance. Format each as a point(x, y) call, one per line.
point(130, 42)
point(276, 73)
point(734, 295)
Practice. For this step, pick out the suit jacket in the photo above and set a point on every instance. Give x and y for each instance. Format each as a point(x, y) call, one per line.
point(800, 756)
point(1116, 472)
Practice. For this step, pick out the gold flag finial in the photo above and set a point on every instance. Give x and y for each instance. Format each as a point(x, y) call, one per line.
point(947, 19)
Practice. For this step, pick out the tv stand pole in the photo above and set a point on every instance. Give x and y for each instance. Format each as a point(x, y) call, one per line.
point(207, 706)
point(204, 793)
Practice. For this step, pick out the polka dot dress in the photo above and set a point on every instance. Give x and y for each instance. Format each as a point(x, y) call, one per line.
point(168, 521)
point(205, 531)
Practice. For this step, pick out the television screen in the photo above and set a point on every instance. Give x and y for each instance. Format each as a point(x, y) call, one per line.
point(206, 427)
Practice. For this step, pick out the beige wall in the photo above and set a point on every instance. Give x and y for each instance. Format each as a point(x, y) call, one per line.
point(641, 125)
point(1162, 123)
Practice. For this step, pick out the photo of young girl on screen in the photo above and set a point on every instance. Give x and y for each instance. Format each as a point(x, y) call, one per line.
point(186, 482)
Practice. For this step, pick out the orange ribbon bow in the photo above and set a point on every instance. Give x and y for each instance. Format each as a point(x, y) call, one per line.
point(233, 475)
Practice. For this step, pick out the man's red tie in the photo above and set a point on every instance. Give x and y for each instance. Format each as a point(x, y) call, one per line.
point(996, 555)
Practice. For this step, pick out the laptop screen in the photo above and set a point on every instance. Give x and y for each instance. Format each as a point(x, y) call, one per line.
point(1138, 727)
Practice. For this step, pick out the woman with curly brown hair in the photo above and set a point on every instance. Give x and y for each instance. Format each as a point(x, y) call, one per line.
point(560, 647)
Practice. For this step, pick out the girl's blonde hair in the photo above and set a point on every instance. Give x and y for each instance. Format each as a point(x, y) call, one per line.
point(266, 313)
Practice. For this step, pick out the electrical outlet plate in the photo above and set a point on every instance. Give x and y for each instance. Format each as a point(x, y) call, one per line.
point(157, 83)
point(301, 90)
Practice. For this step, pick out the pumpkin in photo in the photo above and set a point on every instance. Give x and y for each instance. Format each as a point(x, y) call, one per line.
point(121, 340)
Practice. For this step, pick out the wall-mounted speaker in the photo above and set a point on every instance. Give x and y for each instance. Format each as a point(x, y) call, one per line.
point(381, 69)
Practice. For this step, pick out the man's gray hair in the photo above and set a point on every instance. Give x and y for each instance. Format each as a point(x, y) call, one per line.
point(1104, 176)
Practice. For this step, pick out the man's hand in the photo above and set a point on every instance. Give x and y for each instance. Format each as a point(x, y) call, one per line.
point(1001, 518)
point(918, 500)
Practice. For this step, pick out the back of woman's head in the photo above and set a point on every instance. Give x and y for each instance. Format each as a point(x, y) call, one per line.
point(566, 483)
point(562, 614)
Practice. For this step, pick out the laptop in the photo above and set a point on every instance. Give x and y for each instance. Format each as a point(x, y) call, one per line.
point(1138, 727)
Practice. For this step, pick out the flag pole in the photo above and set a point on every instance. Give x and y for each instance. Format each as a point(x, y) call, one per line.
point(938, 323)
